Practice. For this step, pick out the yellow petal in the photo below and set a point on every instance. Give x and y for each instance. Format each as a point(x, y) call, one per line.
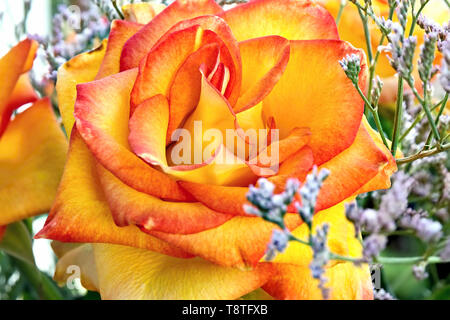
point(80, 69)
point(129, 273)
point(78, 263)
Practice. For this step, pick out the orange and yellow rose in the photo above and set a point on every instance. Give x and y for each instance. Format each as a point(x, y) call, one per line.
point(149, 229)
point(32, 145)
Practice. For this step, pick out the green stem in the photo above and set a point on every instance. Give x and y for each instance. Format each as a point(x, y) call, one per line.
point(420, 117)
point(366, 33)
point(374, 112)
point(428, 113)
point(411, 260)
point(375, 60)
point(45, 287)
point(423, 154)
point(341, 10)
point(398, 116)
point(416, 16)
point(119, 12)
point(436, 122)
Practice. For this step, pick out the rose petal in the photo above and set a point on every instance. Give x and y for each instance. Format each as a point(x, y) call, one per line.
point(102, 113)
point(239, 242)
point(140, 44)
point(314, 92)
point(291, 19)
point(129, 206)
point(81, 214)
point(345, 280)
point(80, 259)
point(129, 273)
point(14, 93)
point(80, 69)
point(350, 170)
point(120, 32)
point(263, 62)
point(32, 156)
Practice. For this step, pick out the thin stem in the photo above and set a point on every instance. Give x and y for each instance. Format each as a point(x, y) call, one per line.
point(416, 16)
point(441, 110)
point(119, 12)
point(428, 113)
point(420, 117)
point(424, 153)
point(374, 114)
point(45, 287)
point(341, 10)
point(373, 63)
point(411, 260)
point(398, 116)
point(366, 33)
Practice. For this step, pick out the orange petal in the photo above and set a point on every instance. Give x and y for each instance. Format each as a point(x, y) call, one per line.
point(345, 280)
point(32, 156)
point(228, 200)
point(239, 242)
point(14, 93)
point(80, 69)
point(263, 62)
point(140, 44)
point(157, 70)
point(351, 169)
point(184, 98)
point(319, 97)
point(102, 113)
point(80, 212)
point(121, 31)
point(291, 19)
point(382, 179)
point(229, 50)
point(129, 273)
point(129, 206)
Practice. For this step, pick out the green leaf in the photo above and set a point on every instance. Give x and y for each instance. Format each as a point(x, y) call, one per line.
point(17, 242)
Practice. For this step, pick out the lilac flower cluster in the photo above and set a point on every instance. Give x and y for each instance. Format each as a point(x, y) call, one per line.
point(273, 207)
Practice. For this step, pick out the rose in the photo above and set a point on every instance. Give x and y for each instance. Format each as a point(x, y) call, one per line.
point(351, 29)
point(32, 146)
point(153, 230)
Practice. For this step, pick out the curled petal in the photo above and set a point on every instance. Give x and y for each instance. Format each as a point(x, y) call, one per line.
point(102, 113)
point(263, 62)
point(140, 44)
point(129, 273)
point(32, 156)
